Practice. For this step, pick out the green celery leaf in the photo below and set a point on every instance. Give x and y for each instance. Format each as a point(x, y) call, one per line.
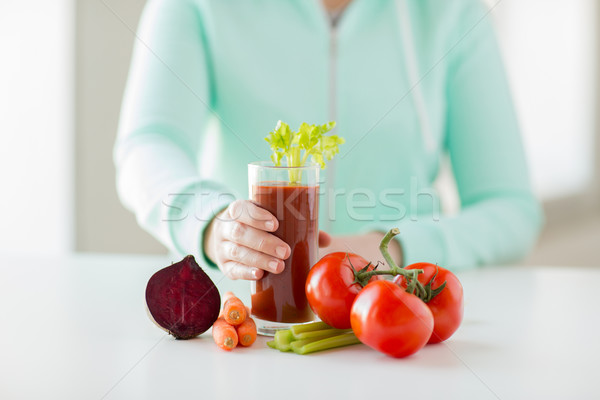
point(310, 140)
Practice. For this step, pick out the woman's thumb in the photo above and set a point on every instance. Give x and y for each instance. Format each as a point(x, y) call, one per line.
point(324, 239)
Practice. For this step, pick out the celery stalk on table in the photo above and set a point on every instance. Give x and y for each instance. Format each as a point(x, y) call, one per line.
point(283, 338)
point(309, 338)
point(310, 327)
point(320, 334)
point(313, 345)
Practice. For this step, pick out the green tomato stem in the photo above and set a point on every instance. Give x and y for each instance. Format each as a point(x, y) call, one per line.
point(411, 276)
point(383, 248)
point(414, 286)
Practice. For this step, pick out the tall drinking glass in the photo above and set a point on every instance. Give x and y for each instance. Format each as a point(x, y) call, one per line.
point(291, 194)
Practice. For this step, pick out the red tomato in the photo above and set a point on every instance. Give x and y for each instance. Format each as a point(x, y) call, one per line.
point(390, 320)
point(447, 307)
point(330, 289)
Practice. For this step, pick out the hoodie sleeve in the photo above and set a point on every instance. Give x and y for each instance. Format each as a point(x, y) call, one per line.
point(500, 218)
point(164, 113)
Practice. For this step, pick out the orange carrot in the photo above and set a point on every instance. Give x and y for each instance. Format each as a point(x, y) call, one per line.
point(225, 335)
point(234, 311)
point(227, 296)
point(224, 299)
point(246, 332)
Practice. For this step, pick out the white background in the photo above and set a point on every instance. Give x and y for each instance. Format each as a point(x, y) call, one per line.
point(36, 114)
point(549, 47)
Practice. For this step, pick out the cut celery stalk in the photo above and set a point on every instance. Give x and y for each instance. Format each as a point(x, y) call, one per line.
point(307, 346)
point(313, 326)
point(320, 334)
point(297, 344)
point(326, 333)
point(271, 344)
point(283, 338)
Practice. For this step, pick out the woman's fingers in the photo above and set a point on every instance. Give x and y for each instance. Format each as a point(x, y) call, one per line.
point(242, 243)
point(257, 239)
point(253, 258)
point(246, 212)
point(236, 270)
point(324, 239)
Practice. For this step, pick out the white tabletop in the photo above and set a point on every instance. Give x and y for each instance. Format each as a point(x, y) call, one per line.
point(76, 328)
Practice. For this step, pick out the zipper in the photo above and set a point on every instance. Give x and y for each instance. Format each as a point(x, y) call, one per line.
point(332, 104)
point(330, 170)
point(412, 68)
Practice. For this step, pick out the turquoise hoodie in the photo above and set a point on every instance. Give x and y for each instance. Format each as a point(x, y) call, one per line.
point(407, 81)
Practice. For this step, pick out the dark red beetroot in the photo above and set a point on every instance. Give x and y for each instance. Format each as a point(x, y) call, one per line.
point(182, 299)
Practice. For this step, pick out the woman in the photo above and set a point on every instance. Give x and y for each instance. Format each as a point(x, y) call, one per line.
point(407, 81)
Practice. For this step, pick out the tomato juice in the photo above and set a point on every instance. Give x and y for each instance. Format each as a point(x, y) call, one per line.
point(281, 297)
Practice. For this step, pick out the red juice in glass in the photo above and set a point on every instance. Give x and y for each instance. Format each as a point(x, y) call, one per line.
point(279, 300)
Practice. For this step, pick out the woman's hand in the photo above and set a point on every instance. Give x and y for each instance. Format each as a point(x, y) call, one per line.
point(365, 245)
point(240, 241)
